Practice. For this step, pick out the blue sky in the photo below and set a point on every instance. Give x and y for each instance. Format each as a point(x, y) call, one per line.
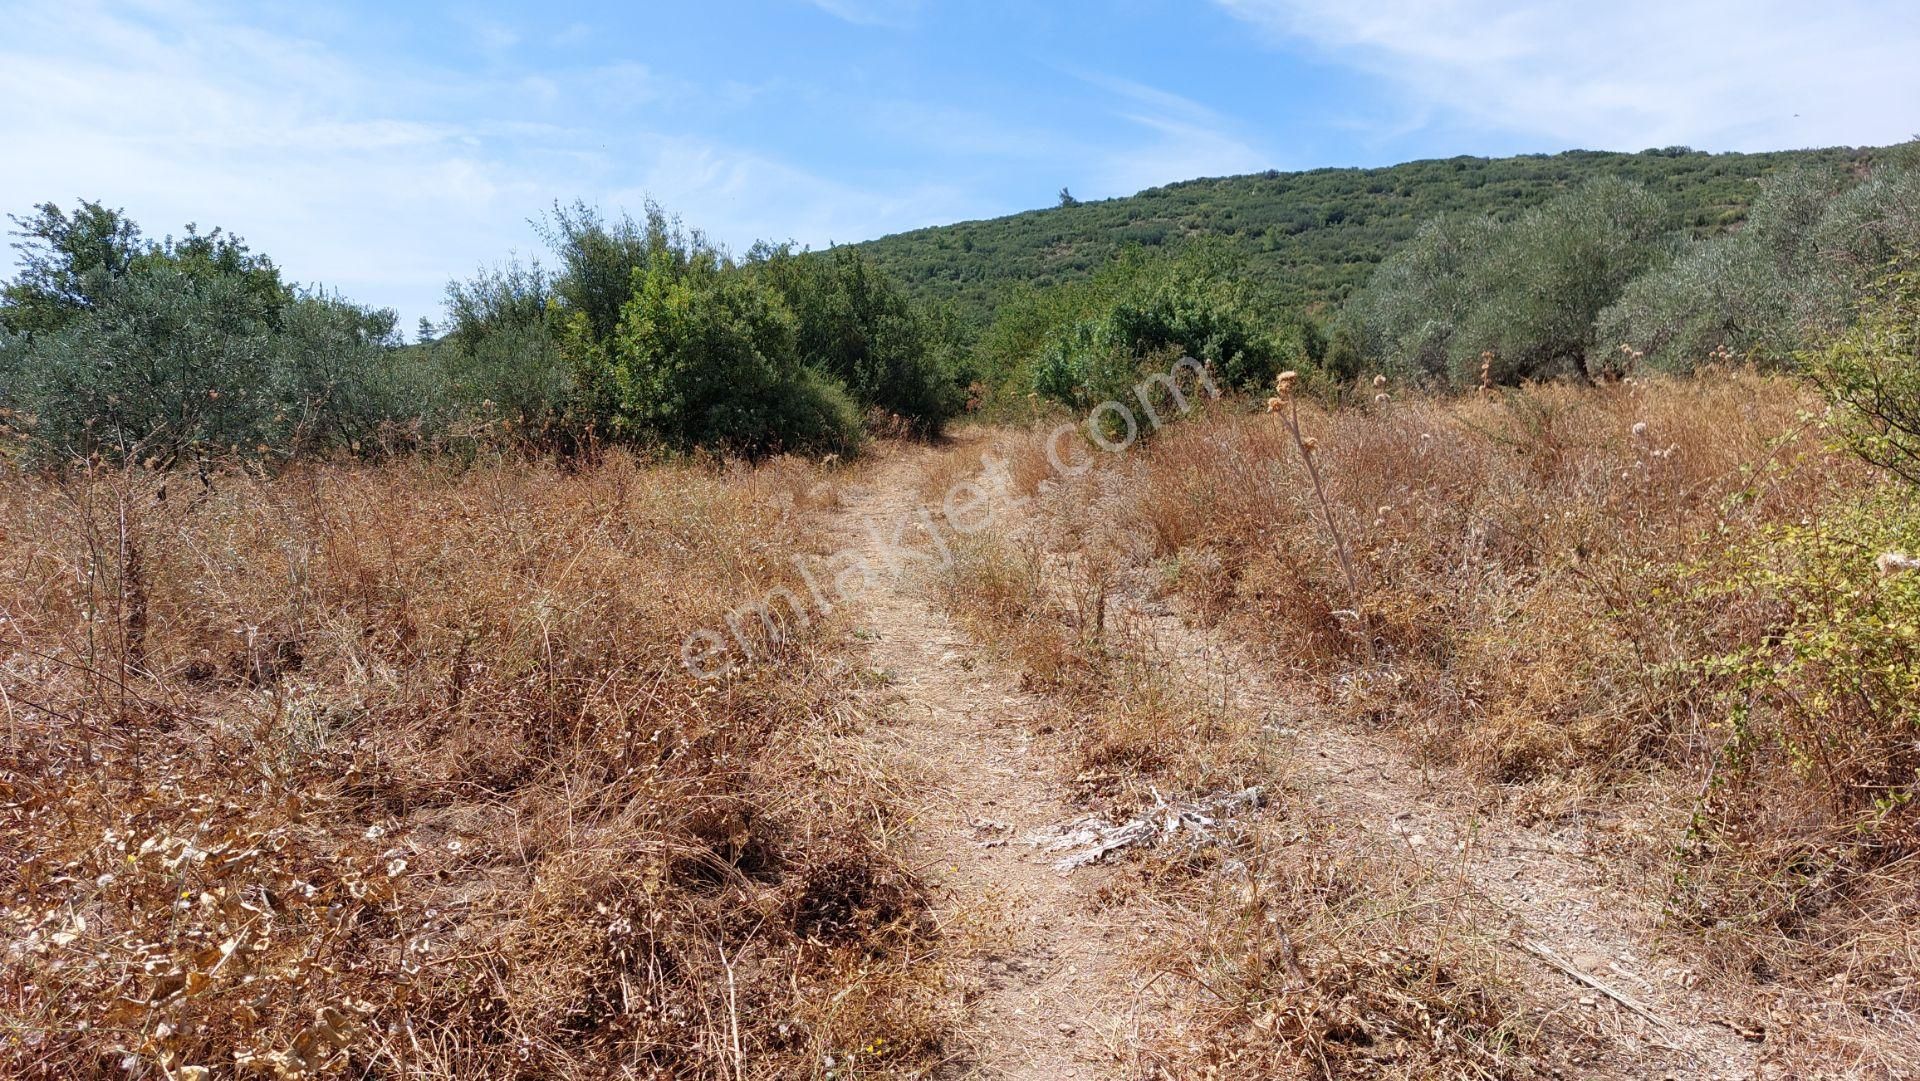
point(382, 148)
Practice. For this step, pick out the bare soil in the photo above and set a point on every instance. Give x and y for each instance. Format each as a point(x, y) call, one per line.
point(1043, 957)
point(1042, 961)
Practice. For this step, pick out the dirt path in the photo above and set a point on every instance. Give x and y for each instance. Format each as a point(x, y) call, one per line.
point(1044, 965)
point(1040, 961)
point(1563, 905)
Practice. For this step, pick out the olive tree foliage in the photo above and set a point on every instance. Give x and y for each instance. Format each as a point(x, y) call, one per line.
point(1522, 293)
point(340, 381)
point(1550, 274)
point(1413, 308)
point(1864, 230)
point(124, 348)
point(1726, 292)
point(498, 357)
point(1813, 246)
point(1749, 292)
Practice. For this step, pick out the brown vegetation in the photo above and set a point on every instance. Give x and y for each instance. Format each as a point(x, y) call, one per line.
point(1651, 608)
point(396, 772)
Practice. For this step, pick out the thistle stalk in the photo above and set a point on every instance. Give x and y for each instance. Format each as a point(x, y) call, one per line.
point(1286, 406)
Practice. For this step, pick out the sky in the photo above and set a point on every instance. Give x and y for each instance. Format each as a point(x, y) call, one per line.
point(380, 149)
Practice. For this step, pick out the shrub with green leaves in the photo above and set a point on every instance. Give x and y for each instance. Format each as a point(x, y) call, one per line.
point(853, 323)
point(1871, 371)
point(188, 347)
point(1097, 344)
point(340, 381)
point(708, 357)
point(500, 361)
point(1815, 783)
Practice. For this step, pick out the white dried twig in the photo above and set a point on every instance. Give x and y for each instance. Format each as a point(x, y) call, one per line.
point(1088, 840)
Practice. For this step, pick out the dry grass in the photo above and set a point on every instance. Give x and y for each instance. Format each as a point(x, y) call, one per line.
point(1651, 604)
point(1310, 956)
point(1299, 952)
point(396, 772)
point(1509, 548)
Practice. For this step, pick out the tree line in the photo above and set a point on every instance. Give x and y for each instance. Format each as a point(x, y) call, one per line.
point(1591, 284)
point(1592, 281)
point(642, 332)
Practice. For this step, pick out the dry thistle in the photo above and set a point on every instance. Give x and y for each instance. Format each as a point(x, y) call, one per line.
point(1287, 408)
point(1891, 563)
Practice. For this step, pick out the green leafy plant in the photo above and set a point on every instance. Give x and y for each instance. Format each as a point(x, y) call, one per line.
point(1871, 372)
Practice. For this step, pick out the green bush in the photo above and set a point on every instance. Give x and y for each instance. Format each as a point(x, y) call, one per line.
point(501, 362)
point(161, 365)
point(1084, 364)
point(1871, 372)
point(1815, 783)
point(1093, 342)
point(855, 324)
point(189, 347)
point(708, 357)
point(340, 381)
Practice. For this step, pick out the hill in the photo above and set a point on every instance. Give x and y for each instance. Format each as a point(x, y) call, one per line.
point(1311, 236)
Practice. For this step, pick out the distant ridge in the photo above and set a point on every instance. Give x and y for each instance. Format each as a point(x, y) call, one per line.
point(1314, 236)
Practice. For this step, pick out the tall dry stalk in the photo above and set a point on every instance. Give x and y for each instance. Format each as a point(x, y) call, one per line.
point(1286, 406)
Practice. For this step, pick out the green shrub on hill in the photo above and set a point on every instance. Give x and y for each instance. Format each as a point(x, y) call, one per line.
point(1310, 239)
point(856, 325)
point(1088, 345)
point(705, 356)
point(175, 350)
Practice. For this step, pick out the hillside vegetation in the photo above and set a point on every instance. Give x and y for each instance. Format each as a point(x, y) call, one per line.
point(351, 728)
point(1311, 237)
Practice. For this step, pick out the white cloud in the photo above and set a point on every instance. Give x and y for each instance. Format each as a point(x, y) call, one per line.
point(380, 183)
point(1175, 151)
point(1182, 139)
point(889, 13)
point(1715, 74)
point(725, 191)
